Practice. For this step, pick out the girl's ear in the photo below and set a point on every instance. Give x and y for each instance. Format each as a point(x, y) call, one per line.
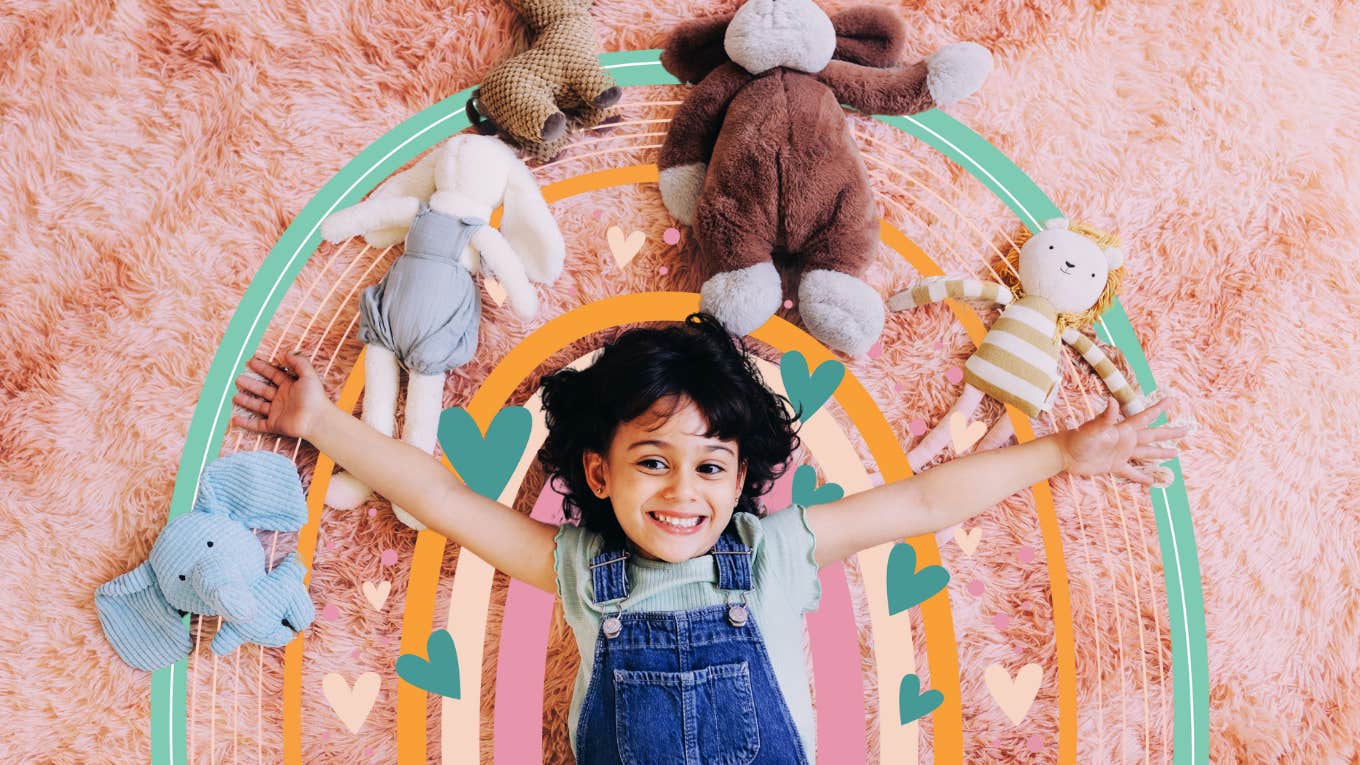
point(593, 464)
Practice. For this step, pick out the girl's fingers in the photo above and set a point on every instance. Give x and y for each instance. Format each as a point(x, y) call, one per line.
point(1131, 473)
point(302, 365)
point(1164, 433)
point(259, 387)
point(1153, 453)
point(251, 403)
point(255, 424)
point(267, 370)
point(1145, 417)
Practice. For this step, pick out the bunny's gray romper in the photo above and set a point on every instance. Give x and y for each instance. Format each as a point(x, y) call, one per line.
point(427, 309)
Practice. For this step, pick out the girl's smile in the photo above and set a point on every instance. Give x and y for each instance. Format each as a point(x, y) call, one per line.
point(673, 488)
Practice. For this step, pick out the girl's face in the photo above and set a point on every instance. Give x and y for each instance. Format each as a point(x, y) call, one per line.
point(673, 488)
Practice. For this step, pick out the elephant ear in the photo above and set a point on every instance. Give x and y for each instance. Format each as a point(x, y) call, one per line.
point(869, 36)
point(140, 624)
point(257, 489)
point(695, 48)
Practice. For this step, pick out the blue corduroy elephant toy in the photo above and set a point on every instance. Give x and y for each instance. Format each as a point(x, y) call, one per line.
point(208, 562)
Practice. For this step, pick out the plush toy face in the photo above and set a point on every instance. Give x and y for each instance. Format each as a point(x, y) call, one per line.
point(204, 563)
point(765, 34)
point(1066, 268)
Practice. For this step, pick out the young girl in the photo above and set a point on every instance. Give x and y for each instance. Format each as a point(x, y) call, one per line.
point(685, 597)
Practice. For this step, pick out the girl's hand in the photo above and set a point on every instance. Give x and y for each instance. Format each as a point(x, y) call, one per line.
point(288, 404)
point(1105, 445)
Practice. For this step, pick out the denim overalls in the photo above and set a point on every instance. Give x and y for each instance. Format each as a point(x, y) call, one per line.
point(683, 687)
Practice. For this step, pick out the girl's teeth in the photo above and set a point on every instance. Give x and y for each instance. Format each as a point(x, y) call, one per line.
point(683, 523)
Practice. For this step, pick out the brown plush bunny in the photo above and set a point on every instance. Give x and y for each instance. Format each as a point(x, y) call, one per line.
point(524, 95)
point(760, 158)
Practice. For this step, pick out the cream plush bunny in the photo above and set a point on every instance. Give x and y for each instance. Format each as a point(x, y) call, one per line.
point(1060, 281)
point(425, 312)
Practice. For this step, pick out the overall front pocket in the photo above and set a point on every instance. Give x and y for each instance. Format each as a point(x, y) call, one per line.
point(703, 716)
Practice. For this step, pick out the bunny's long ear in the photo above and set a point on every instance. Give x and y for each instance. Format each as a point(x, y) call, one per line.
point(381, 219)
point(529, 227)
point(257, 489)
point(695, 48)
point(869, 36)
point(138, 621)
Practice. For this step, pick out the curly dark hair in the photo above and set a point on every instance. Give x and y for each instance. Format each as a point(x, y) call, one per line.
point(698, 360)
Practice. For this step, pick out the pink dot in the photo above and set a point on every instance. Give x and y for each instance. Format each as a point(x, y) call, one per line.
point(788, 303)
point(354, 654)
point(939, 345)
point(325, 735)
point(1025, 554)
point(917, 426)
point(875, 350)
point(389, 557)
point(330, 545)
point(330, 613)
point(372, 512)
point(1001, 621)
point(1018, 650)
point(596, 214)
point(671, 236)
point(975, 587)
point(663, 270)
point(954, 375)
point(368, 753)
point(1035, 743)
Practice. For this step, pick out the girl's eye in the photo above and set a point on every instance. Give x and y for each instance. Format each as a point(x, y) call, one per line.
point(652, 464)
point(711, 468)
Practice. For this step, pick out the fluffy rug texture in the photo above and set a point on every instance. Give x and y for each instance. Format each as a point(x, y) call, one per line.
point(151, 154)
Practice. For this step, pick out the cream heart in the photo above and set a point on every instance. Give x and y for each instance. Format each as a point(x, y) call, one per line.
point(968, 540)
point(964, 433)
point(1014, 696)
point(377, 594)
point(624, 248)
point(351, 704)
point(494, 289)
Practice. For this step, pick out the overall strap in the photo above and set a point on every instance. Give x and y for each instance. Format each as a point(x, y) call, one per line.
point(609, 576)
point(733, 560)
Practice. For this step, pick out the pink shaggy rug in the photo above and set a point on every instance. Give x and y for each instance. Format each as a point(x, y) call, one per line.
point(152, 153)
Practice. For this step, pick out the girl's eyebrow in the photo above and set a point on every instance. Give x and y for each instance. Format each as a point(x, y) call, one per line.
point(656, 442)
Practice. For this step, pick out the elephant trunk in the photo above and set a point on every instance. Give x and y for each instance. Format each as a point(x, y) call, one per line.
point(224, 590)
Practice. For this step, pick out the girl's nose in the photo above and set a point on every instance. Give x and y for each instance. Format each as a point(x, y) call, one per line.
point(681, 487)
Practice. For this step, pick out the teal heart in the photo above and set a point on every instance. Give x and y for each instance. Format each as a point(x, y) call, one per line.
point(439, 674)
point(485, 463)
point(912, 704)
point(908, 587)
point(808, 391)
point(807, 493)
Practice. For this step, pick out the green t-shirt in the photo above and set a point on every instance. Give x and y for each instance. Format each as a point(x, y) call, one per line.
point(784, 587)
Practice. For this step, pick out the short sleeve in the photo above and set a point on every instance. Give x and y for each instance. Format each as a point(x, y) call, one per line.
point(572, 549)
point(787, 557)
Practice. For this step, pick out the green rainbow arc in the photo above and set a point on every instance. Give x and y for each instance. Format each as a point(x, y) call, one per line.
point(407, 140)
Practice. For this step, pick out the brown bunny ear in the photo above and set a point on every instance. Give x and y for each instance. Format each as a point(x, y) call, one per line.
point(869, 35)
point(695, 48)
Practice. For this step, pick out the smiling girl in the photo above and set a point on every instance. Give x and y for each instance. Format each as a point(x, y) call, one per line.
point(685, 596)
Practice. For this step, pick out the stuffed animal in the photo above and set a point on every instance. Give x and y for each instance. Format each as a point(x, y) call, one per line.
point(760, 158)
point(208, 562)
point(1058, 283)
point(524, 95)
point(425, 313)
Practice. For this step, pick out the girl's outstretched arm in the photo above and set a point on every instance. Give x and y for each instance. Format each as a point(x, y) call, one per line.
point(296, 405)
point(957, 490)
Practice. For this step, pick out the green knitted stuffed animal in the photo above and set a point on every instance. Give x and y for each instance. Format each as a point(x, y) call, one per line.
point(524, 96)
